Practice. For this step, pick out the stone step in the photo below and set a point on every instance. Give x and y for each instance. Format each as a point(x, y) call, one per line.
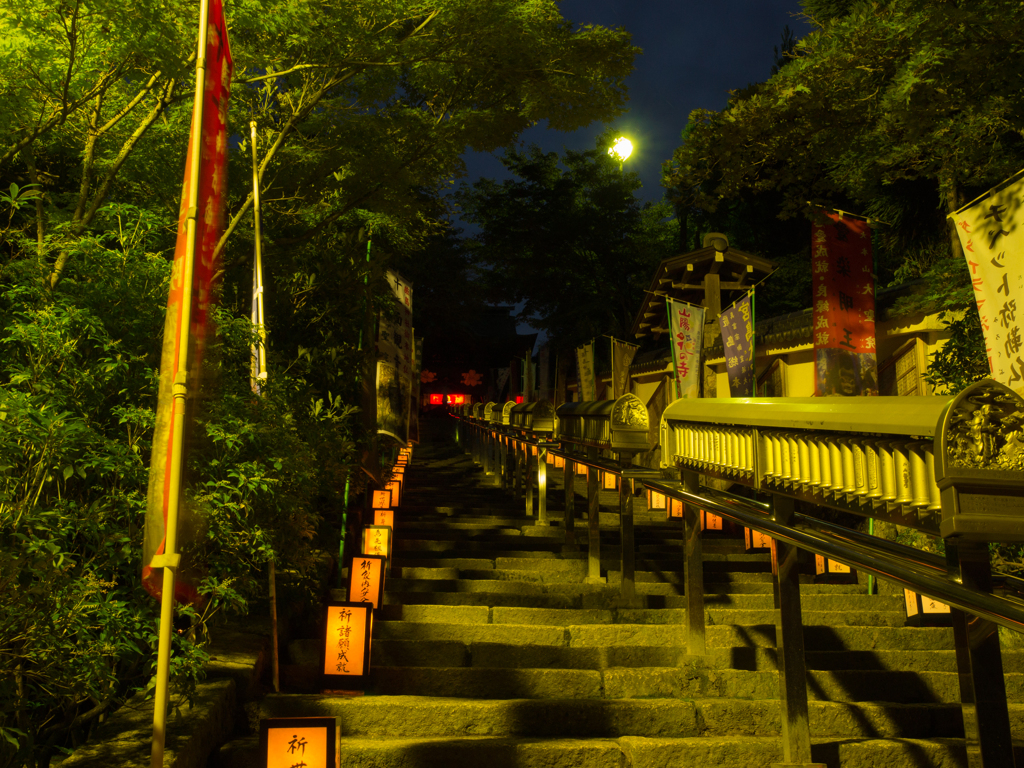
point(432, 717)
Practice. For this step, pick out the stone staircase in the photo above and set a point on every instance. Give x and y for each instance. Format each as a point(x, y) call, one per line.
point(491, 650)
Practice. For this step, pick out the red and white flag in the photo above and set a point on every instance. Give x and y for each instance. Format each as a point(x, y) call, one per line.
point(209, 219)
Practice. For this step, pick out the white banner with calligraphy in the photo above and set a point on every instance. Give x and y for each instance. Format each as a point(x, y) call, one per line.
point(622, 357)
point(992, 233)
point(588, 382)
point(686, 322)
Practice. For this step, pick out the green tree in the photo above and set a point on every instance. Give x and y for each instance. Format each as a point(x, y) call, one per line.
point(569, 238)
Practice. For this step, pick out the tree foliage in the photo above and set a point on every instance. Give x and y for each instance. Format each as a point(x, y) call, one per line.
point(362, 110)
point(569, 238)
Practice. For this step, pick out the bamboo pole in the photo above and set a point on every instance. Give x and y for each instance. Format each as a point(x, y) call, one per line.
point(170, 559)
point(260, 362)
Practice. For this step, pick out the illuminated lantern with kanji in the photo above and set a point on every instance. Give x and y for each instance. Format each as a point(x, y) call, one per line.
point(656, 500)
point(828, 571)
point(395, 486)
point(609, 481)
point(366, 580)
point(377, 541)
point(437, 399)
point(710, 522)
point(925, 611)
point(381, 499)
point(755, 541)
point(559, 462)
point(384, 517)
point(674, 508)
point(345, 656)
point(286, 742)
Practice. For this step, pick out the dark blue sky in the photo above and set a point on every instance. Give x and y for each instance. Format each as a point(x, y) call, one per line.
point(693, 55)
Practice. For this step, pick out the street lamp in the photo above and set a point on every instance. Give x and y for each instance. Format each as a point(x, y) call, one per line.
point(621, 149)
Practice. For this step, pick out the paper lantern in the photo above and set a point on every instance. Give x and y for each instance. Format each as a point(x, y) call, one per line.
point(395, 486)
point(366, 580)
point(710, 522)
point(377, 540)
point(755, 541)
point(384, 517)
point(436, 399)
point(829, 571)
point(381, 499)
point(345, 658)
point(559, 462)
point(609, 481)
point(534, 450)
point(674, 509)
point(925, 611)
point(656, 500)
point(286, 742)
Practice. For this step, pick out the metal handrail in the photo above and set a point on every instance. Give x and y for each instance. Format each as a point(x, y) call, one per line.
point(812, 535)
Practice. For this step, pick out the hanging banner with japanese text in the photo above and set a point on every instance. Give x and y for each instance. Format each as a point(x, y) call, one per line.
point(203, 264)
point(622, 358)
point(585, 363)
point(686, 323)
point(528, 376)
point(737, 326)
point(844, 307)
point(990, 232)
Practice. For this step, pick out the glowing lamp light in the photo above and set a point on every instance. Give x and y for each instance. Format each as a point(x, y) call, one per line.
point(925, 612)
point(384, 517)
point(710, 522)
point(437, 399)
point(534, 450)
point(366, 580)
point(755, 541)
point(674, 510)
point(519, 399)
point(395, 486)
point(829, 571)
point(377, 540)
point(457, 399)
point(381, 499)
point(559, 462)
point(655, 500)
point(289, 741)
point(345, 658)
point(609, 482)
point(621, 149)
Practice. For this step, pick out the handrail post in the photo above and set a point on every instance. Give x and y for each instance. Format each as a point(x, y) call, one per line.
point(503, 460)
point(693, 575)
point(789, 642)
point(979, 663)
point(488, 451)
point(628, 554)
point(542, 485)
point(517, 487)
point(569, 519)
point(593, 522)
point(528, 477)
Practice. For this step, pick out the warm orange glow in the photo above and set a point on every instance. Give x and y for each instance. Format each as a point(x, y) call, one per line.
point(534, 450)
point(381, 499)
point(609, 481)
point(519, 399)
point(348, 627)
point(366, 580)
point(823, 565)
point(395, 486)
point(559, 462)
point(384, 517)
point(377, 540)
point(927, 604)
point(457, 399)
point(437, 399)
point(307, 741)
point(756, 540)
point(710, 522)
point(675, 507)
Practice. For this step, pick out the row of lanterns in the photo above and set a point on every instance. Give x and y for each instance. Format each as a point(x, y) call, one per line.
point(345, 652)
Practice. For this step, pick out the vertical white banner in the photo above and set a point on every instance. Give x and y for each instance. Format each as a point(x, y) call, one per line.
point(687, 328)
point(991, 233)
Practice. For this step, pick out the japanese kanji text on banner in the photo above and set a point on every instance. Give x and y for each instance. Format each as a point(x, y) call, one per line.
point(622, 357)
point(737, 326)
point(844, 307)
point(588, 381)
point(687, 328)
point(990, 232)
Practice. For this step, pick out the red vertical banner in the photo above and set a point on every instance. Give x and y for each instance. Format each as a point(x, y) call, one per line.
point(844, 307)
point(209, 220)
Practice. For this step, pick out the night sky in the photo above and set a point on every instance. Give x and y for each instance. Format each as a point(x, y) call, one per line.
point(693, 55)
